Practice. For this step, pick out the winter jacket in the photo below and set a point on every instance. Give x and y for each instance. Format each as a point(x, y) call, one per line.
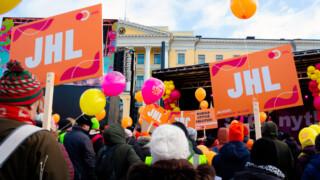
point(304, 159)
point(39, 155)
point(80, 150)
point(312, 170)
point(124, 155)
point(141, 149)
point(231, 159)
point(259, 172)
point(97, 141)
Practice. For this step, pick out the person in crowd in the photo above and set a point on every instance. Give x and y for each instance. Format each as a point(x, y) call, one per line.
point(130, 138)
point(174, 169)
point(291, 142)
point(95, 135)
point(246, 140)
point(65, 125)
point(38, 156)
point(193, 134)
point(222, 139)
point(284, 155)
point(116, 157)
point(233, 155)
point(308, 150)
point(80, 149)
point(263, 163)
point(312, 170)
point(141, 147)
point(192, 143)
point(170, 142)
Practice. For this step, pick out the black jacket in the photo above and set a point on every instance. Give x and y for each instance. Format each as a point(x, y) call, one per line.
point(82, 155)
point(262, 172)
point(124, 155)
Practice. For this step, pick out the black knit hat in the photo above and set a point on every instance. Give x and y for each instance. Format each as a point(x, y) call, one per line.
point(85, 119)
point(269, 129)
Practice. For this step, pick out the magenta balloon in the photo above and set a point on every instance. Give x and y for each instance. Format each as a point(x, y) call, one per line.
point(318, 66)
point(175, 95)
point(113, 84)
point(316, 103)
point(312, 85)
point(152, 90)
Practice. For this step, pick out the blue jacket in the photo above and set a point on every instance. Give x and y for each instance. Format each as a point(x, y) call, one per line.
point(231, 159)
point(81, 152)
point(312, 170)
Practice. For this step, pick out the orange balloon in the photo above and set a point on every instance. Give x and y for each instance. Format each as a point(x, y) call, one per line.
point(101, 115)
point(204, 104)
point(56, 118)
point(126, 122)
point(200, 94)
point(140, 121)
point(263, 117)
point(243, 9)
point(139, 97)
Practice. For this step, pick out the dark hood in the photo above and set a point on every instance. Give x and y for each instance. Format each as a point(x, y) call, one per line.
point(316, 161)
point(235, 151)
point(309, 150)
point(114, 134)
point(270, 129)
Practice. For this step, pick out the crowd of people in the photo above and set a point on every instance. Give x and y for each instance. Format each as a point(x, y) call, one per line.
point(84, 150)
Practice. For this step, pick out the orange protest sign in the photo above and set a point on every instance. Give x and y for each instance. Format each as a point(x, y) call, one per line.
point(70, 45)
point(155, 114)
point(205, 119)
point(268, 76)
point(186, 117)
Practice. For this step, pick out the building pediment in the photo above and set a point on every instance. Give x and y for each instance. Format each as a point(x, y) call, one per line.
point(130, 29)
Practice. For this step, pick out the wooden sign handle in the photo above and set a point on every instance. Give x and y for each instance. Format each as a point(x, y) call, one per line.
point(257, 123)
point(48, 100)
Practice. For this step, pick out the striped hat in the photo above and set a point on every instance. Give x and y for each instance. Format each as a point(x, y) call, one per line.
point(18, 86)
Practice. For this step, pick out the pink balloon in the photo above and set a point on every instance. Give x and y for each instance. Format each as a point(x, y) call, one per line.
point(113, 84)
point(152, 90)
point(318, 66)
point(175, 95)
point(316, 103)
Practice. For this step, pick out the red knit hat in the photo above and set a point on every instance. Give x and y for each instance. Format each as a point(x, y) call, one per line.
point(18, 86)
point(236, 131)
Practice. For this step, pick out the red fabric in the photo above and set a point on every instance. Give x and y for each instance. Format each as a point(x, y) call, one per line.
point(245, 130)
point(96, 137)
point(236, 132)
point(16, 113)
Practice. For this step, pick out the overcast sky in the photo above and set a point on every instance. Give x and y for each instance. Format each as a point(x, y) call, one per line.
point(209, 18)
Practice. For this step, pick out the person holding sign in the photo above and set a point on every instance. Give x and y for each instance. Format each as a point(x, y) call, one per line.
point(27, 152)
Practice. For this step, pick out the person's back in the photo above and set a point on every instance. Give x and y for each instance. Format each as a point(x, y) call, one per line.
point(39, 155)
point(80, 149)
point(312, 170)
point(233, 155)
point(123, 156)
point(284, 155)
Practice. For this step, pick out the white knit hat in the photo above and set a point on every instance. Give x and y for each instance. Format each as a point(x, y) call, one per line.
point(168, 142)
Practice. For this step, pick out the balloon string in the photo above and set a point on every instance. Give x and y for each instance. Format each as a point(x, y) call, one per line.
point(79, 116)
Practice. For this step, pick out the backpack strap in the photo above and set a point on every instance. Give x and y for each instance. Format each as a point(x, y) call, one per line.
point(14, 139)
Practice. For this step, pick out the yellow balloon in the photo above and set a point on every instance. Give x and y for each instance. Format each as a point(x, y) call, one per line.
point(315, 127)
point(126, 122)
point(172, 105)
point(318, 80)
point(204, 104)
point(200, 94)
point(92, 102)
point(168, 92)
point(171, 87)
point(139, 97)
point(7, 5)
point(307, 136)
point(311, 69)
point(309, 74)
point(243, 9)
point(176, 109)
point(313, 77)
point(204, 149)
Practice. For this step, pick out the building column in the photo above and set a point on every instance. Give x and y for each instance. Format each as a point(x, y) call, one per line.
point(166, 58)
point(147, 63)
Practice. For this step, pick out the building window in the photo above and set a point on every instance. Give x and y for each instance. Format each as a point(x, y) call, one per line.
point(219, 57)
point(201, 59)
point(236, 55)
point(139, 83)
point(156, 59)
point(140, 58)
point(181, 58)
